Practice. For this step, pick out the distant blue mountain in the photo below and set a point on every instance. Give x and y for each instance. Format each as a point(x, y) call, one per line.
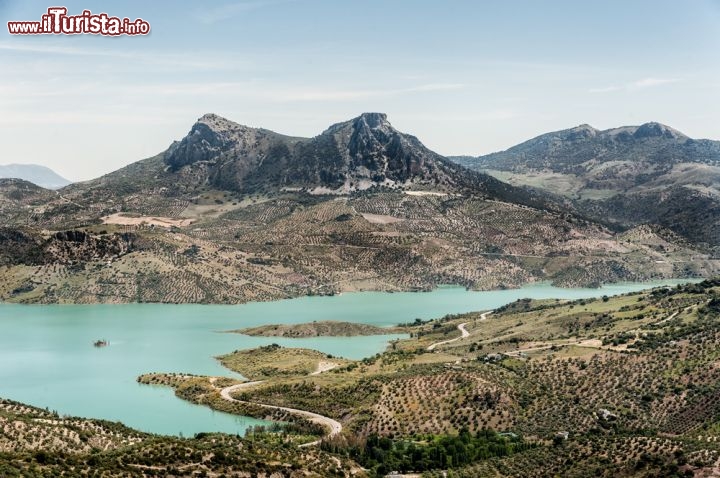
point(36, 174)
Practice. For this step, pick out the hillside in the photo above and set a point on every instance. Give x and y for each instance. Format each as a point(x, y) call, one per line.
point(34, 173)
point(632, 175)
point(584, 150)
point(18, 194)
point(233, 214)
point(36, 442)
point(613, 386)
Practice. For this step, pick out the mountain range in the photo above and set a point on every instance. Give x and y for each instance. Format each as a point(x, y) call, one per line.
point(231, 213)
point(647, 174)
point(352, 156)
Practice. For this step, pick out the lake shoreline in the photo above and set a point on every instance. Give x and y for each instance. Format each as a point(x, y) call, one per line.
point(650, 282)
point(56, 366)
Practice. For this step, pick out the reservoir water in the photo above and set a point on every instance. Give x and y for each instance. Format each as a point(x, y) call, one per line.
point(47, 358)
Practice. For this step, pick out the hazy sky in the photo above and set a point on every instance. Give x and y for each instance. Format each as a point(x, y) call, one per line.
point(466, 77)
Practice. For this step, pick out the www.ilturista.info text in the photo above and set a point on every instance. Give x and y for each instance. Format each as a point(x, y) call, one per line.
point(57, 22)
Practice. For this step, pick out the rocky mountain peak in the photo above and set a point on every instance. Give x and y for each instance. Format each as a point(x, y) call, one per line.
point(373, 120)
point(219, 124)
point(652, 129)
point(364, 122)
point(210, 136)
point(211, 117)
point(375, 152)
point(581, 132)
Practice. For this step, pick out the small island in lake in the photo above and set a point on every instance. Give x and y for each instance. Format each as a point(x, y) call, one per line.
point(325, 328)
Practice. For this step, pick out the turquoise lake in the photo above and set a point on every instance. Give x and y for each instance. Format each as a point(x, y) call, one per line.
point(47, 358)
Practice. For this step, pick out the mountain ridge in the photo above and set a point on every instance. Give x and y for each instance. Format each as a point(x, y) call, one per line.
point(351, 155)
point(626, 176)
point(581, 132)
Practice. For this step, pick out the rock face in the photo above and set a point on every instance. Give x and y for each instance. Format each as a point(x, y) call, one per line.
point(630, 175)
point(209, 137)
point(67, 247)
point(372, 150)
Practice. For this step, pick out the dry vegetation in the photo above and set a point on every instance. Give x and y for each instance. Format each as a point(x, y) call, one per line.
point(633, 381)
point(324, 328)
point(274, 361)
point(229, 248)
point(38, 443)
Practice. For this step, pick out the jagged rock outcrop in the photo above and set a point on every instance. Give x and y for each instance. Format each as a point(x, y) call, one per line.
point(209, 137)
point(79, 246)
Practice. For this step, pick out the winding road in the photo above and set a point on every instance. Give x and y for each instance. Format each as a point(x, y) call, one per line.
point(463, 333)
point(333, 425)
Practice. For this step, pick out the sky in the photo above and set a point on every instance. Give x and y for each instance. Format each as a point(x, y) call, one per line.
point(464, 76)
